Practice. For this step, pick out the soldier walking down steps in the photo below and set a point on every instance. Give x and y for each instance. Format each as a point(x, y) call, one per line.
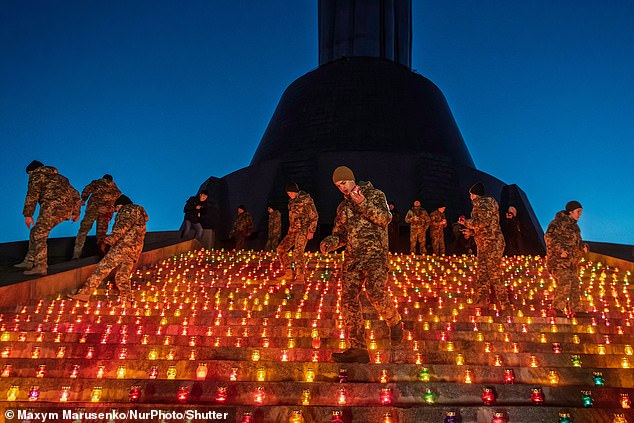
point(302, 217)
point(361, 225)
point(485, 224)
point(563, 252)
point(242, 227)
point(275, 228)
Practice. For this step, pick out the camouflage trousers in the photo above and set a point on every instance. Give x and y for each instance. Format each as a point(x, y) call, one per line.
point(489, 273)
point(123, 263)
point(297, 241)
point(241, 240)
point(567, 288)
point(103, 220)
point(374, 276)
point(438, 243)
point(417, 235)
point(38, 250)
point(272, 242)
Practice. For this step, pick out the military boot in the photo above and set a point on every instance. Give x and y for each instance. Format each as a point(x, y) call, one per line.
point(39, 271)
point(352, 355)
point(28, 265)
point(80, 297)
point(288, 275)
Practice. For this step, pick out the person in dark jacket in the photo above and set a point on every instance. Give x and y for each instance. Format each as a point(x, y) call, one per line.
point(195, 207)
point(465, 243)
point(512, 230)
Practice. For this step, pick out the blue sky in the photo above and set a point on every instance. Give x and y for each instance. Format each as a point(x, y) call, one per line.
point(163, 94)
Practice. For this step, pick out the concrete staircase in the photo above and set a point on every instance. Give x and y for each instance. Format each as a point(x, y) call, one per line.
point(219, 332)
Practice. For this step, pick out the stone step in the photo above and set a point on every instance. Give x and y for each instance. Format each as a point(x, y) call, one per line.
point(283, 413)
point(222, 370)
point(222, 307)
point(403, 394)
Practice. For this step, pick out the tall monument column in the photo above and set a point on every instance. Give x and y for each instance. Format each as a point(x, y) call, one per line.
point(365, 108)
point(372, 28)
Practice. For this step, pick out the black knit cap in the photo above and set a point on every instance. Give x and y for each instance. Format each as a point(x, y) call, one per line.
point(122, 200)
point(292, 187)
point(107, 177)
point(477, 189)
point(573, 205)
point(242, 207)
point(33, 165)
point(204, 192)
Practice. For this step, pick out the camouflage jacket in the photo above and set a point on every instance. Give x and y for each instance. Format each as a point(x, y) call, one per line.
point(275, 223)
point(128, 231)
point(302, 213)
point(563, 235)
point(485, 222)
point(417, 217)
point(53, 192)
point(243, 225)
point(362, 228)
point(438, 221)
point(101, 195)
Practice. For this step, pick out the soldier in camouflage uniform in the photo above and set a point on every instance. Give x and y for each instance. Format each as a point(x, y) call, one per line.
point(242, 227)
point(302, 216)
point(361, 225)
point(418, 218)
point(437, 230)
point(563, 251)
point(275, 229)
point(126, 244)
point(58, 201)
point(485, 224)
point(101, 195)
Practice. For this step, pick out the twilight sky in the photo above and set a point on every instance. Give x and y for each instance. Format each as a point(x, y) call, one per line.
point(163, 94)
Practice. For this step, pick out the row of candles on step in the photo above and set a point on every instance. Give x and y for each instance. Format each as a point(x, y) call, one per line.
point(184, 396)
point(153, 354)
point(201, 374)
point(386, 397)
